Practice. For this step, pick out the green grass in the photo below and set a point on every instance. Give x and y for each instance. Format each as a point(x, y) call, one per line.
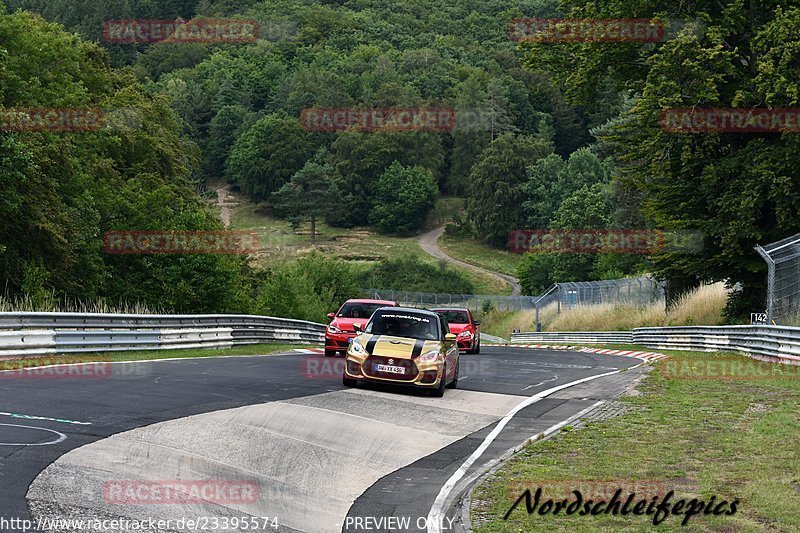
point(480, 254)
point(502, 323)
point(735, 439)
point(279, 241)
point(139, 355)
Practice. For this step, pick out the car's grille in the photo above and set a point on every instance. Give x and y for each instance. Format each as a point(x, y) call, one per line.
point(408, 366)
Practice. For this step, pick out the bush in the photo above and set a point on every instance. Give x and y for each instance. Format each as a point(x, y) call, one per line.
point(460, 228)
point(413, 274)
point(306, 289)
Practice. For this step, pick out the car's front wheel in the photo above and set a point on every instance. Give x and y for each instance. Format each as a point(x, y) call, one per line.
point(438, 392)
point(477, 349)
point(453, 384)
point(330, 353)
point(347, 382)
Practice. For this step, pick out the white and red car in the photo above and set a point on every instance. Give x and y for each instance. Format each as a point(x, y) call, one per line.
point(464, 327)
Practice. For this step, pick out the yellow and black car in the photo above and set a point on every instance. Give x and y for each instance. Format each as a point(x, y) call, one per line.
point(403, 346)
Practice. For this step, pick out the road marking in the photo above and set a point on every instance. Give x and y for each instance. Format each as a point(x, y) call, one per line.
point(435, 514)
point(61, 436)
point(555, 377)
point(34, 417)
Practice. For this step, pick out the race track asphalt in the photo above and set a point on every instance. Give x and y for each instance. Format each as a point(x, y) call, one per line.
point(322, 457)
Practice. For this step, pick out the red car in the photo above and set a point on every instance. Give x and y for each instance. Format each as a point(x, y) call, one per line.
point(463, 326)
point(340, 332)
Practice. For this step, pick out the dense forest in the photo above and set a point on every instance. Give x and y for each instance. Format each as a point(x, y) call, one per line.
point(569, 138)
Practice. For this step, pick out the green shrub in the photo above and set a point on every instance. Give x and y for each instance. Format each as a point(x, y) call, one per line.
point(307, 289)
point(412, 274)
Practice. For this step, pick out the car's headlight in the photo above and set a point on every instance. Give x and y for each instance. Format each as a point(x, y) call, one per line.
point(356, 347)
point(433, 356)
point(333, 329)
point(465, 334)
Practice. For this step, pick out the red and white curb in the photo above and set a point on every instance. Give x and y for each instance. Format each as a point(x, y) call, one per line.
point(644, 356)
point(309, 350)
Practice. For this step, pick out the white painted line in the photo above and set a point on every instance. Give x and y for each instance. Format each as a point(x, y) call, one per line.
point(555, 377)
point(61, 436)
point(34, 417)
point(435, 514)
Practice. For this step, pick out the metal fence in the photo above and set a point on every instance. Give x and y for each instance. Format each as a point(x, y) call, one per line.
point(642, 290)
point(471, 301)
point(32, 334)
point(783, 279)
point(632, 291)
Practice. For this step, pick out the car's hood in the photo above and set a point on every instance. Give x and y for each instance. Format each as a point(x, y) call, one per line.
point(346, 324)
point(458, 328)
point(399, 347)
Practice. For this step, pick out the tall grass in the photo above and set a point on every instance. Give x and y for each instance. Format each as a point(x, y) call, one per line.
point(50, 303)
point(703, 306)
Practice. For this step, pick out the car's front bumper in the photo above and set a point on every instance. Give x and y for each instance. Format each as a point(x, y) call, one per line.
point(426, 375)
point(338, 341)
point(466, 343)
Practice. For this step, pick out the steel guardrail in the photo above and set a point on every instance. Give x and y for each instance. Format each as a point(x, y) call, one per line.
point(574, 337)
point(776, 343)
point(32, 334)
point(773, 343)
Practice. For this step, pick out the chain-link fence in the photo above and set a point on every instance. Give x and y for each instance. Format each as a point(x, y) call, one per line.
point(783, 280)
point(632, 291)
point(471, 301)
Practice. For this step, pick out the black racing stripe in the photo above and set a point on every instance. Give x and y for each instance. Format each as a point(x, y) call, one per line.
point(371, 343)
point(417, 348)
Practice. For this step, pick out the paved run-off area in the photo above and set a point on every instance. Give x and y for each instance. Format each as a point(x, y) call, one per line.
point(321, 457)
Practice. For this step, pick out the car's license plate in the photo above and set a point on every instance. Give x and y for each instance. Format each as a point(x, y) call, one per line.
point(390, 369)
point(350, 340)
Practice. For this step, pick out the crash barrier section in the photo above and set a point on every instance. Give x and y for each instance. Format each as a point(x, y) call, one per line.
point(575, 337)
point(769, 343)
point(33, 334)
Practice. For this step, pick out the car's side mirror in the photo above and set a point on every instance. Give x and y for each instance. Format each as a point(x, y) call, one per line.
point(331, 315)
point(358, 327)
point(450, 337)
point(477, 324)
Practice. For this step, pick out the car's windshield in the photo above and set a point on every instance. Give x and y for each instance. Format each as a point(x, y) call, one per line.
point(455, 317)
point(404, 324)
point(357, 310)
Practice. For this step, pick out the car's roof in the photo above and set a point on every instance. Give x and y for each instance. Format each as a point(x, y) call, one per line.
point(368, 301)
point(408, 310)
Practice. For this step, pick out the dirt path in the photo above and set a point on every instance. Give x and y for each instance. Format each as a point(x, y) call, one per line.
point(225, 203)
point(429, 242)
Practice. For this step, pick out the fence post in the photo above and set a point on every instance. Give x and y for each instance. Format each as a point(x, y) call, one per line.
point(770, 281)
